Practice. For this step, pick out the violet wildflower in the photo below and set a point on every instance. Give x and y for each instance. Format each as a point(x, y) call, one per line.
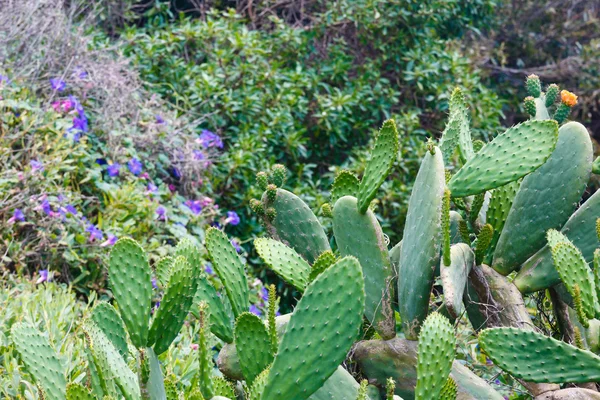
point(206, 201)
point(210, 139)
point(152, 188)
point(17, 216)
point(264, 294)
point(254, 310)
point(36, 166)
point(154, 284)
point(80, 73)
point(70, 209)
point(232, 218)
point(58, 84)
point(135, 166)
point(236, 245)
point(45, 207)
point(4, 78)
point(208, 269)
point(80, 124)
point(198, 155)
point(113, 169)
point(95, 233)
point(111, 240)
point(44, 276)
point(101, 161)
point(172, 188)
point(161, 212)
point(159, 119)
point(195, 206)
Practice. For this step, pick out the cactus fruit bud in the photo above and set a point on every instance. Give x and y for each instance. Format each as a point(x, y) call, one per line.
point(478, 201)
point(257, 207)
point(271, 192)
point(446, 227)
point(598, 228)
point(596, 166)
point(447, 176)
point(430, 146)
point(534, 86)
point(562, 112)
point(262, 179)
point(551, 94)
point(449, 390)
point(478, 145)
point(271, 214)
point(362, 390)
point(271, 318)
point(326, 210)
point(324, 261)
point(567, 98)
point(529, 104)
point(579, 306)
point(463, 229)
point(483, 242)
point(390, 387)
point(578, 339)
point(279, 174)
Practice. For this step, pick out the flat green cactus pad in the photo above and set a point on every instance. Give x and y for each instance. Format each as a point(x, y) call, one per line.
point(537, 358)
point(75, 391)
point(284, 261)
point(221, 315)
point(515, 153)
point(340, 386)
point(546, 198)
point(131, 285)
point(253, 344)
point(380, 164)
point(258, 386)
point(109, 321)
point(156, 385)
point(230, 269)
point(449, 390)
point(500, 203)
point(457, 133)
point(344, 184)
point(162, 270)
point(323, 327)
point(41, 360)
point(111, 365)
point(420, 247)
point(538, 271)
point(454, 277)
point(360, 235)
point(325, 260)
point(297, 226)
point(435, 356)
point(175, 305)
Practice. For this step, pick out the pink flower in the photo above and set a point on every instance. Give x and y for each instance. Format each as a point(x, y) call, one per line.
point(194, 346)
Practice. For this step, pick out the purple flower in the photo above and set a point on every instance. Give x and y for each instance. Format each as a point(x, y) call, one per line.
point(80, 73)
point(111, 240)
point(4, 78)
point(198, 155)
point(210, 139)
point(195, 206)
point(154, 285)
point(58, 84)
point(232, 218)
point(161, 212)
point(80, 124)
point(101, 161)
point(264, 294)
point(17, 216)
point(208, 269)
point(36, 165)
point(236, 245)
point(95, 233)
point(135, 166)
point(45, 207)
point(113, 169)
point(152, 188)
point(254, 310)
point(159, 119)
point(70, 209)
point(43, 276)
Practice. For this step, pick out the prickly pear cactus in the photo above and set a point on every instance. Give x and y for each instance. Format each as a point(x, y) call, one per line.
point(332, 306)
point(421, 244)
point(380, 164)
point(454, 277)
point(284, 261)
point(131, 284)
point(515, 153)
point(75, 391)
point(344, 184)
point(457, 133)
point(253, 344)
point(436, 354)
point(109, 321)
point(360, 235)
point(221, 315)
point(41, 360)
point(545, 359)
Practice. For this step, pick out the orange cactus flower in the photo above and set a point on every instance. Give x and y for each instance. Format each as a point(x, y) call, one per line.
point(568, 98)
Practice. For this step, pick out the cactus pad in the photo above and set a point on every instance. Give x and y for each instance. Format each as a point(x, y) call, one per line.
point(131, 285)
point(41, 360)
point(323, 327)
point(325, 260)
point(297, 226)
point(420, 247)
point(108, 320)
point(449, 390)
point(284, 261)
point(75, 391)
point(454, 277)
point(538, 271)
point(175, 305)
point(162, 269)
point(344, 184)
point(546, 198)
point(457, 131)
point(219, 307)
point(360, 235)
point(380, 164)
point(230, 269)
point(253, 345)
point(515, 153)
point(537, 358)
point(435, 356)
point(500, 203)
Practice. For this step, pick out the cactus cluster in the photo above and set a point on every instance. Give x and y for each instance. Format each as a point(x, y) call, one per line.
point(478, 213)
